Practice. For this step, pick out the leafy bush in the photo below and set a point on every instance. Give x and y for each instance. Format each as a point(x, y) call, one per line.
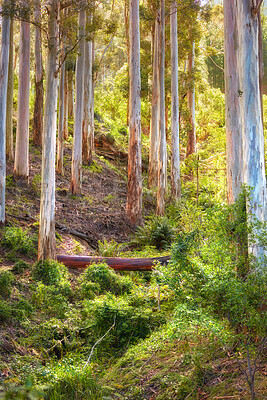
point(109, 248)
point(25, 391)
point(22, 309)
point(18, 241)
point(158, 232)
point(104, 279)
point(131, 323)
point(5, 311)
point(51, 273)
point(19, 267)
point(6, 281)
point(52, 298)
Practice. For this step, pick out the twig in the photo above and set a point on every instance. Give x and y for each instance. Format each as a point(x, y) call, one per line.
point(96, 343)
point(256, 9)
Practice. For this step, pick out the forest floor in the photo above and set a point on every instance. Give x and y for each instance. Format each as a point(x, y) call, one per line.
point(81, 221)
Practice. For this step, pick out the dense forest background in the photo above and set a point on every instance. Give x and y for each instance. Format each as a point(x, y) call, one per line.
point(193, 327)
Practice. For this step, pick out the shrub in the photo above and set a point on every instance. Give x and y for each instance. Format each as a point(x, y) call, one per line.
point(19, 267)
point(51, 272)
point(104, 279)
point(52, 299)
point(131, 323)
point(157, 232)
point(6, 281)
point(5, 311)
point(18, 241)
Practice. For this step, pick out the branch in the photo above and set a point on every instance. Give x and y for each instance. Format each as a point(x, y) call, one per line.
point(256, 9)
point(68, 52)
point(96, 343)
point(101, 59)
point(216, 64)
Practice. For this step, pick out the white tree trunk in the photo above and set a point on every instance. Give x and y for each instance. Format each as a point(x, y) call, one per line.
point(47, 242)
point(76, 166)
point(3, 96)
point(70, 94)
point(21, 168)
point(10, 87)
point(175, 156)
point(162, 160)
point(39, 91)
point(234, 158)
point(134, 195)
point(61, 118)
point(154, 123)
point(191, 144)
point(88, 128)
point(66, 108)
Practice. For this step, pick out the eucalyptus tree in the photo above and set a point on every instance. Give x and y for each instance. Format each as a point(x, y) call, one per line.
point(162, 151)
point(39, 90)
point(21, 165)
point(175, 151)
point(47, 242)
point(76, 165)
point(134, 193)
point(243, 108)
point(191, 142)
point(10, 91)
point(5, 37)
point(61, 114)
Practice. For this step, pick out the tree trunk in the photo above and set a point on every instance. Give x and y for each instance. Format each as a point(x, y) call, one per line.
point(66, 108)
point(9, 106)
point(134, 194)
point(39, 90)
point(3, 97)
point(47, 242)
point(154, 123)
point(175, 157)
point(191, 144)
point(251, 115)
point(162, 160)
point(76, 166)
point(70, 94)
point(61, 120)
point(21, 169)
point(88, 129)
point(234, 155)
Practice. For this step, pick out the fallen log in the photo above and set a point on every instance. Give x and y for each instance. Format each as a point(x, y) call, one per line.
point(116, 263)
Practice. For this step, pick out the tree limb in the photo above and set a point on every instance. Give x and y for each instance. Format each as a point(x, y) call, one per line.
point(256, 9)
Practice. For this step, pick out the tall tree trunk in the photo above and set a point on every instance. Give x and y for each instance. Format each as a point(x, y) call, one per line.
point(9, 106)
point(3, 96)
point(175, 157)
point(134, 195)
point(191, 144)
point(234, 154)
point(21, 168)
point(66, 108)
point(70, 94)
point(162, 154)
point(61, 116)
point(88, 129)
point(39, 90)
point(154, 123)
point(76, 166)
point(47, 242)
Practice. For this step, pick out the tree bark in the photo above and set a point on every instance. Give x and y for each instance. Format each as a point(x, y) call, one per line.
point(88, 126)
point(134, 194)
point(66, 108)
point(154, 123)
point(76, 166)
point(61, 116)
point(162, 160)
point(9, 106)
point(3, 97)
point(70, 94)
point(39, 90)
point(175, 154)
point(191, 144)
point(21, 168)
point(47, 242)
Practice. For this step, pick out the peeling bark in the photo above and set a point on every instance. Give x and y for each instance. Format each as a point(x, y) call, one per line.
point(9, 106)
point(39, 90)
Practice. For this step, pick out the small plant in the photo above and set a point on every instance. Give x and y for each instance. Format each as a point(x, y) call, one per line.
point(17, 241)
point(6, 281)
point(5, 311)
point(50, 272)
point(20, 267)
point(109, 248)
point(157, 232)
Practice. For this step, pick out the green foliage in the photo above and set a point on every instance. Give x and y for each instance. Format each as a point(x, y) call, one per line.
point(27, 391)
point(99, 278)
point(109, 248)
point(51, 272)
point(158, 232)
point(131, 323)
point(20, 267)
point(6, 282)
point(5, 311)
point(17, 241)
point(52, 298)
